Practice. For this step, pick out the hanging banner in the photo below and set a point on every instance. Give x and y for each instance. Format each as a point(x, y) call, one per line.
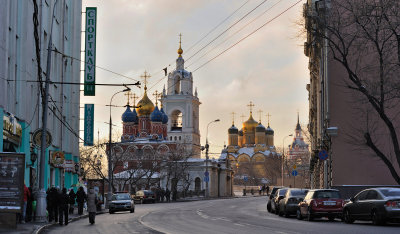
point(90, 51)
point(89, 124)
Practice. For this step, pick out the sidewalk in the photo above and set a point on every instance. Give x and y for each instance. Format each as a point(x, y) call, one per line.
point(34, 227)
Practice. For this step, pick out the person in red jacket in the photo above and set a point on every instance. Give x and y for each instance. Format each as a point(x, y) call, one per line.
point(26, 195)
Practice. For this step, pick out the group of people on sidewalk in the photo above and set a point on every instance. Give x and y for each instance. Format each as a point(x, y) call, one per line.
point(60, 204)
point(161, 194)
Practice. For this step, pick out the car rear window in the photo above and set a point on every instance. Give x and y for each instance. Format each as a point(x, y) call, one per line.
point(327, 194)
point(298, 192)
point(391, 192)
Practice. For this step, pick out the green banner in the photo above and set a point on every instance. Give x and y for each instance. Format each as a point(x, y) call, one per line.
point(89, 125)
point(90, 51)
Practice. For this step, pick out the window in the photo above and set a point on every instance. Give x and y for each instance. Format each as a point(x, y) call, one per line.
point(361, 196)
point(180, 138)
point(327, 194)
point(176, 121)
point(372, 195)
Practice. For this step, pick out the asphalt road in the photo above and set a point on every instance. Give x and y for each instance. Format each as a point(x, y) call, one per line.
point(238, 215)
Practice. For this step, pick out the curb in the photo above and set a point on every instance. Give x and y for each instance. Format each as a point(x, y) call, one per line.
point(42, 228)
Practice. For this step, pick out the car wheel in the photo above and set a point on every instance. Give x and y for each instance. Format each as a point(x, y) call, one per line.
point(377, 219)
point(269, 208)
point(309, 215)
point(347, 217)
point(280, 213)
point(111, 212)
point(276, 210)
point(132, 210)
point(298, 215)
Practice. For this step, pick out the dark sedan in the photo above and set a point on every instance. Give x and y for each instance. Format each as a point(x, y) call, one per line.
point(377, 204)
point(271, 196)
point(290, 203)
point(321, 203)
point(280, 194)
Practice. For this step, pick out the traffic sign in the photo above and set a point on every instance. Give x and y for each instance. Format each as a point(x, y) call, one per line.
point(323, 155)
point(245, 179)
point(294, 166)
point(294, 173)
point(206, 179)
point(206, 174)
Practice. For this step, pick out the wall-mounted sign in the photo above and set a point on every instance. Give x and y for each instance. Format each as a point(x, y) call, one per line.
point(57, 159)
point(12, 130)
point(11, 182)
point(90, 51)
point(37, 138)
point(69, 166)
point(89, 125)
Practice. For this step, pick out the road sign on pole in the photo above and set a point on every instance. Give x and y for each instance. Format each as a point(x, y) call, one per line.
point(323, 155)
point(89, 125)
point(206, 179)
point(294, 173)
point(245, 179)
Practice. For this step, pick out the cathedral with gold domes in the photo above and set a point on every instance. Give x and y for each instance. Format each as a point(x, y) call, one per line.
point(251, 151)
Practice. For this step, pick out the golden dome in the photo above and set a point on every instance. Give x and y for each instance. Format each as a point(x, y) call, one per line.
point(145, 105)
point(250, 125)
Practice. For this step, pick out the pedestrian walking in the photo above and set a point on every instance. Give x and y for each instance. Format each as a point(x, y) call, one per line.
point(53, 204)
point(63, 200)
point(80, 199)
point(167, 195)
point(71, 201)
point(91, 203)
point(267, 188)
point(27, 194)
point(29, 206)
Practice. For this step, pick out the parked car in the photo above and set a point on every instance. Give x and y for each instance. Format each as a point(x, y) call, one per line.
point(290, 203)
point(280, 194)
point(377, 204)
point(271, 196)
point(143, 196)
point(121, 202)
point(321, 203)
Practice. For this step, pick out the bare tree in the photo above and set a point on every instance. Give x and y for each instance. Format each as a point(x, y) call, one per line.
point(363, 36)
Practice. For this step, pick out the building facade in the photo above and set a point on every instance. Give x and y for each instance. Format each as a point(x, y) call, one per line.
point(251, 152)
point(20, 98)
point(338, 114)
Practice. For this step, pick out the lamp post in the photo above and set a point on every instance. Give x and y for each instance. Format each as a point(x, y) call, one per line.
point(207, 146)
point(283, 155)
point(109, 194)
point(41, 198)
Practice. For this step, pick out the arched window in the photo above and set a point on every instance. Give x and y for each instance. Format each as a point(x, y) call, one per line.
point(180, 138)
point(175, 138)
point(176, 121)
point(177, 85)
point(197, 184)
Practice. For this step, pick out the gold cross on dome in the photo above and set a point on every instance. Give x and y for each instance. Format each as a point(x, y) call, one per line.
point(145, 77)
point(180, 39)
point(242, 116)
point(251, 105)
point(156, 94)
point(233, 118)
point(260, 113)
point(268, 115)
point(134, 97)
point(128, 94)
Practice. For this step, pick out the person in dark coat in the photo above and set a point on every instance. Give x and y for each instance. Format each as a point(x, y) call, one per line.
point(63, 200)
point(92, 200)
point(72, 197)
point(168, 195)
point(53, 204)
point(80, 199)
point(29, 208)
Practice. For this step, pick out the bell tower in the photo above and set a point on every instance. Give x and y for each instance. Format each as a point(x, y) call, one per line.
point(182, 107)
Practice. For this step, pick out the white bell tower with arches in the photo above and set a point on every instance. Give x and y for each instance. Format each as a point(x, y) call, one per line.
point(182, 107)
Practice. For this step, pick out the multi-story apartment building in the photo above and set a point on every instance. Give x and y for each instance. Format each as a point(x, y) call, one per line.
point(20, 97)
point(339, 116)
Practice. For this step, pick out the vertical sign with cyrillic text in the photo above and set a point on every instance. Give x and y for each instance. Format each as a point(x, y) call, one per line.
point(89, 125)
point(90, 51)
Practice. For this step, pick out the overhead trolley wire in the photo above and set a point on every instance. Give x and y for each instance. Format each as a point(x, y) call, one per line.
point(230, 47)
point(247, 14)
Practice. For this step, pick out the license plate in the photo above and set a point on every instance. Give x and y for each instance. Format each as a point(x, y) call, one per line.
point(329, 203)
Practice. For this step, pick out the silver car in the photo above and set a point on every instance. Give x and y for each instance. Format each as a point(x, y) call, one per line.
point(121, 202)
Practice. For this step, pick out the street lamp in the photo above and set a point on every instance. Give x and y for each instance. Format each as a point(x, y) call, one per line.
point(207, 146)
point(283, 155)
point(109, 194)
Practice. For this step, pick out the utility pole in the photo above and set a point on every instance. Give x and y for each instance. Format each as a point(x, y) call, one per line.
point(41, 203)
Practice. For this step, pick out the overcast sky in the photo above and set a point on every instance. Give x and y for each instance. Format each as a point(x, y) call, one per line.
point(268, 68)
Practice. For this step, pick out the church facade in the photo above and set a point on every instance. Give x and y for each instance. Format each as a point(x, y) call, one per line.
point(252, 153)
point(160, 147)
